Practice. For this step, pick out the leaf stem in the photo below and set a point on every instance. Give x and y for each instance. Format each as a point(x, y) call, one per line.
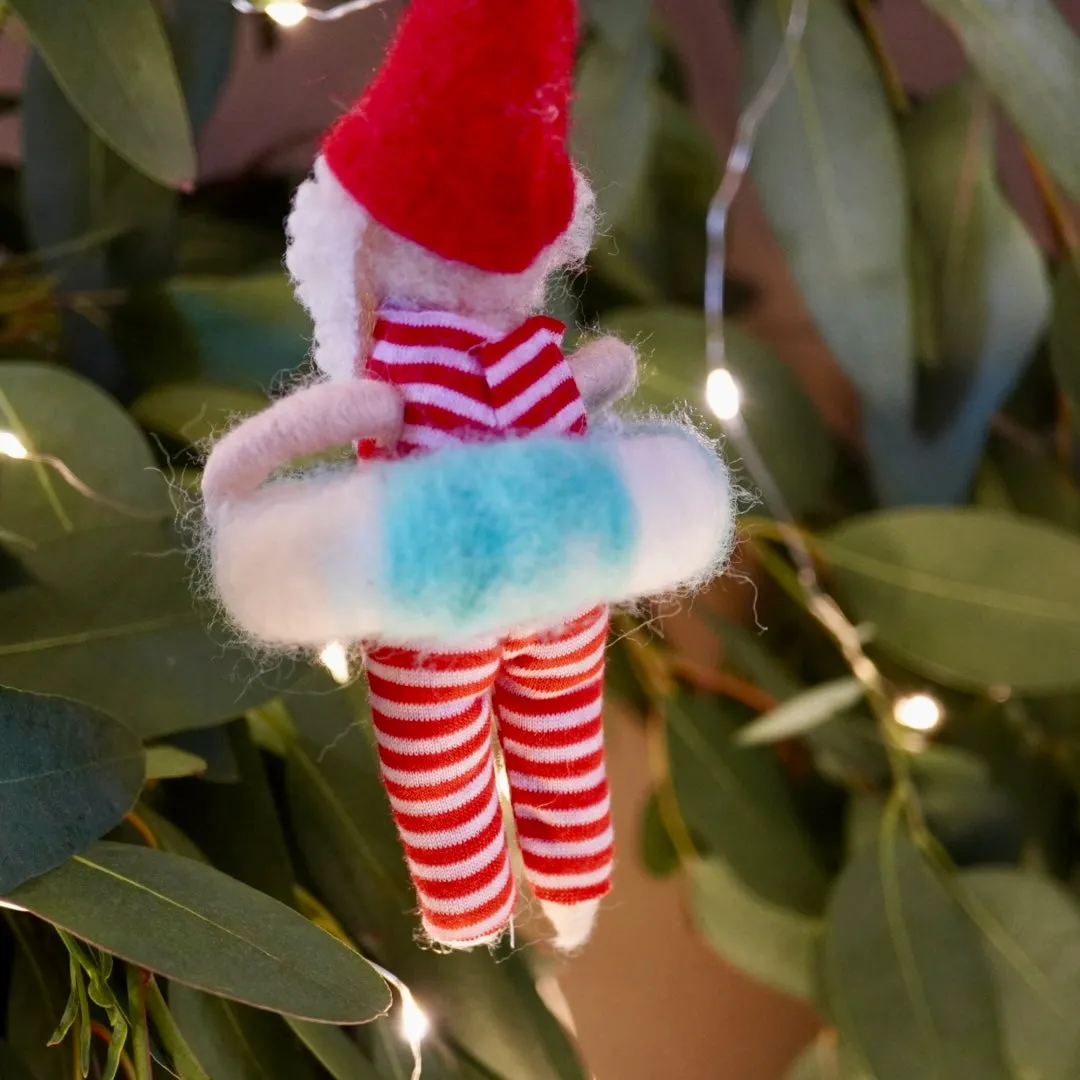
point(667, 802)
point(187, 1065)
point(723, 683)
point(890, 76)
point(1066, 235)
point(140, 1032)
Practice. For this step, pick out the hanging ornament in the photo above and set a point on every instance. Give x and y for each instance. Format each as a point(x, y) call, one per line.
point(497, 507)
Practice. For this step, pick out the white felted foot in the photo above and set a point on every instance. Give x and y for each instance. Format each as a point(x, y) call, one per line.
point(573, 922)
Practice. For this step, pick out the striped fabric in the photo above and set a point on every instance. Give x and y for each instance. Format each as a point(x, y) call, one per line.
point(461, 380)
point(434, 711)
point(433, 717)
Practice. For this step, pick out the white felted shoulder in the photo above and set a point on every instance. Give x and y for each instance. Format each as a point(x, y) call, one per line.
point(476, 540)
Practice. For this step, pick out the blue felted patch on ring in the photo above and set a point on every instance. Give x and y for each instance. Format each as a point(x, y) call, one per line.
point(473, 529)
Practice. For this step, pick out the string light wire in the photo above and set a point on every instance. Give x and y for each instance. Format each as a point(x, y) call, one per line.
point(302, 10)
point(724, 398)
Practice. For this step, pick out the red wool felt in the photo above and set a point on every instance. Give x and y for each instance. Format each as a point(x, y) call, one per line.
point(459, 143)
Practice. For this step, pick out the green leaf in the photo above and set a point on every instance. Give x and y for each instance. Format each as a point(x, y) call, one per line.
point(237, 825)
point(737, 802)
point(615, 121)
point(788, 431)
point(802, 713)
point(194, 413)
point(247, 330)
point(37, 991)
point(826, 1060)
point(202, 33)
point(488, 1005)
point(658, 854)
point(233, 1042)
point(829, 172)
point(991, 295)
point(195, 925)
point(334, 1050)
point(906, 980)
point(970, 597)
point(57, 414)
point(775, 945)
point(107, 618)
point(1029, 57)
point(171, 763)
point(1031, 933)
point(114, 64)
point(1034, 484)
point(68, 774)
point(12, 1067)
point(622, 22)
point(1065, 329)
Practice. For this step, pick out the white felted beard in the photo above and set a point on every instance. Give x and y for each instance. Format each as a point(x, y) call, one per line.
point(342, 262)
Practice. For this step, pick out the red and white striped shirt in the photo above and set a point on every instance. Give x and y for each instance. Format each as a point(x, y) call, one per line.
point(461, 380)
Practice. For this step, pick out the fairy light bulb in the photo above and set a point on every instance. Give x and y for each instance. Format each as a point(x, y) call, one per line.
point(919, 712)
point(414, 1021)
point(723, 394)
point(11, 446)
point(336, 660)
point(286, 13)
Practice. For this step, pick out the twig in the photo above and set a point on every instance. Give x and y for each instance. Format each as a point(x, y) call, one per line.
point(723, 683)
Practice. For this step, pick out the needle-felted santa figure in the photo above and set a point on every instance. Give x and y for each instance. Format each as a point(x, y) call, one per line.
point(471, 553)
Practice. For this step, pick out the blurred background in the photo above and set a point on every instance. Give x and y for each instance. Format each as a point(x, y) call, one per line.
point(848, 811)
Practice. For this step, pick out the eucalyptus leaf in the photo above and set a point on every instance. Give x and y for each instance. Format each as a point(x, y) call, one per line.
point(736, 802)
point(622, 22)
point(1065, 329)
point(56, 414)
point(341, 820)
point(658, 854)
point(826, 1059)
point(202, 34)
point(1028, 55)
point(193, 413)
point(787, 429)
point(973, 598)
point(802, 713)
point(115, 66)
point(991, 298)
point(1031, 933)
point(233, 1042)
point(246, 330)
point(773, 944)
point(335, 1051)
point(107, 618)
point(1035, 484)
point(828, 168)
point(12, 1067)
point(906, 980)
point(195, 925)
point(171, 763)
point(68, 774)
point(615, 120)
point(36, 993)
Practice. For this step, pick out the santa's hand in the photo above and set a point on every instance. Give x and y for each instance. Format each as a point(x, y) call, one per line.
point(605, 370)
point(311, 420)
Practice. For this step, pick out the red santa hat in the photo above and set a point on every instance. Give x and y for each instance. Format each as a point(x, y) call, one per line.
point(460, 142)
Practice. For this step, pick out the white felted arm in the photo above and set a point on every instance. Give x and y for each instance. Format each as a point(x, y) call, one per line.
point(308, 421)
point(605, 370)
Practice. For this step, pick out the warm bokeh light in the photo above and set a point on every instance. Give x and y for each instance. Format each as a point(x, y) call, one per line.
point(919, 712)
point(11, 446)
point(723, 394)
point(336, 660)
point(286, 12)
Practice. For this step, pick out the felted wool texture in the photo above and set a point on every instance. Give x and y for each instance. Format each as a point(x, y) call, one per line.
point(332, 238)
point(394, 551)
point(459, 143)
point(308, 421)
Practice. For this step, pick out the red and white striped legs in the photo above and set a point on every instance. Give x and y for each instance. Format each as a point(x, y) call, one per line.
point(432, 714)
point(549, 702)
